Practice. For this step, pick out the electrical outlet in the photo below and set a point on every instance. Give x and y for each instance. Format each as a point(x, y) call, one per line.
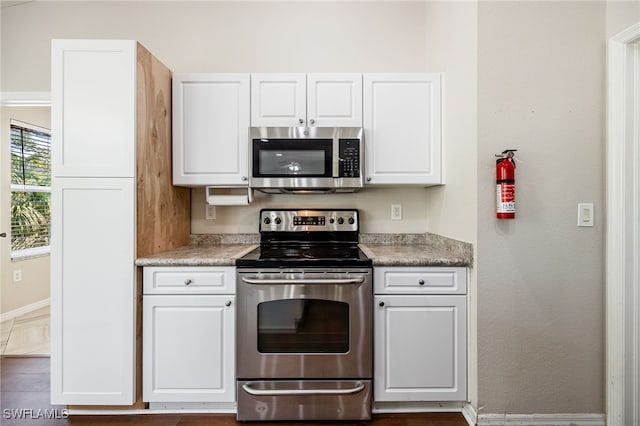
point(396, 211)
point(17, 275)
point(210, 212)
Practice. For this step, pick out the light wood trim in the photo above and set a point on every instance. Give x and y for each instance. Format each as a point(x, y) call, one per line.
point(164, 210)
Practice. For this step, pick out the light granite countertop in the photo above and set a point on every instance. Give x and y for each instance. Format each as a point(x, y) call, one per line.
point(415, 250)
point(198, 255)
point(383, 249)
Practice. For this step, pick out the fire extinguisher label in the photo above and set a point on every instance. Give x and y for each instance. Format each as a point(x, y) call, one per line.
point(506, 198)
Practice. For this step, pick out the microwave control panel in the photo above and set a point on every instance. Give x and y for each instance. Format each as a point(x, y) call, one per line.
point(349, 156)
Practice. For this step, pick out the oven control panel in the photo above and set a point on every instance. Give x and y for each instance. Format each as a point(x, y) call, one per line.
point(309, 220)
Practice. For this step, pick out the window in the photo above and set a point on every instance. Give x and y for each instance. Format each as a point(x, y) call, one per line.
point(30, 189)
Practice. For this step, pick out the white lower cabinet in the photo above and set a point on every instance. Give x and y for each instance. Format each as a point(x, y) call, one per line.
point(188, 348)
point(420, 341)
point(93, 343)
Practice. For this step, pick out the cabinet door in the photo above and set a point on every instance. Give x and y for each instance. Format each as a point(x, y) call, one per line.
point(93, 291)
point(188, 348)
point(210, 129)
point(420, 348)
point(278, 100)
point(93, 92)
point(334, 100)
point(402, 129)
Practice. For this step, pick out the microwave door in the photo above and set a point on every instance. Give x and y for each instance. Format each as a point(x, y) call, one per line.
point(281, 162)
point(278, 161)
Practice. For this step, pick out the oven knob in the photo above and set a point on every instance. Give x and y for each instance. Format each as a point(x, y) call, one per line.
point(267, 221)
point(340, 221)
point(351, 221)
point(278, 221)
point(332, 220)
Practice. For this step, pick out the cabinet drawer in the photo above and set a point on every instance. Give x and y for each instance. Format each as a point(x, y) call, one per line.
point(189, 280)
point(421, 280)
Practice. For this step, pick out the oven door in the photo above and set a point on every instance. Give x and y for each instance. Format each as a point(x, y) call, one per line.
point(295, 324)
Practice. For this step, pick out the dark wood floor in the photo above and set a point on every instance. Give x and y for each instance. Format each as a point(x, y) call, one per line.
point(24, 401)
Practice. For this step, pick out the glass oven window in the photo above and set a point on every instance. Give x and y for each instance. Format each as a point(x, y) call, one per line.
point(303, 326)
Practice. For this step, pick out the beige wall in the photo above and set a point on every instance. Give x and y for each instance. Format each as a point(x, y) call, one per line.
point(34, 286)
point(295, 37)
point(528, 75)
point(541, 89)
point(621, 15)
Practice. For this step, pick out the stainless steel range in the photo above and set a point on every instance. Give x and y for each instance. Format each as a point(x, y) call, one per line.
point(304, 345)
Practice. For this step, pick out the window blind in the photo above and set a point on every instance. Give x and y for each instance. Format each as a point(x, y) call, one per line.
point(30, 187)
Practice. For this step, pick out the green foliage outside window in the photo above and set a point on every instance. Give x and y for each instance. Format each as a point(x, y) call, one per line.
point(30, 186)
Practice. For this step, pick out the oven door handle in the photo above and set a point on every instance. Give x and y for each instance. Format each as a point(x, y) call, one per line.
point(355, 280)
point(359, 386)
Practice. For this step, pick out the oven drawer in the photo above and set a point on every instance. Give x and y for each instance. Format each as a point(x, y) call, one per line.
point(189, 280)
point(269, 400)
point(420, 280)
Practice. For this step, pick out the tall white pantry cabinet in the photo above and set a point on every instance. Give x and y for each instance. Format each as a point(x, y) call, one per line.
point(112, 201)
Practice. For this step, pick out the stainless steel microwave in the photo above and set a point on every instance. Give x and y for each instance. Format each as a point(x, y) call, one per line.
point(306, 159)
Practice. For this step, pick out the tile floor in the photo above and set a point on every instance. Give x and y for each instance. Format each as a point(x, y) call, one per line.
point(27, 334)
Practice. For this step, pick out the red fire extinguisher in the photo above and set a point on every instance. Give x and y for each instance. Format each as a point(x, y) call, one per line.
point(506, 185)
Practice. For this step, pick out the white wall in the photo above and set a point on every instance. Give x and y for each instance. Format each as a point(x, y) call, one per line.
point(34, 286)
point(531, 73)
point(292, 37)
point(621, 15)
point(540, 278)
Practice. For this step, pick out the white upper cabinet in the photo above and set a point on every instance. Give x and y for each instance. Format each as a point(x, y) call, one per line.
point(210, 129)
point(278, 100)
point(402, 122)
point(334, 100)
point(92, 138)
point(322, 100)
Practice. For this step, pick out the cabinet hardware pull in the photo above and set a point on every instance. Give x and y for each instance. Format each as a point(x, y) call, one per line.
point(312, 121)
point(227, 303)
point(243, 178)
point(187, 281)
point(421, 282)
point(300, 120)
point(3, 235)
point(381, 304)
point(369, 179)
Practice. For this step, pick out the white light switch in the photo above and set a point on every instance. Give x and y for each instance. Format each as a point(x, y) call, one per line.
point(585, 214)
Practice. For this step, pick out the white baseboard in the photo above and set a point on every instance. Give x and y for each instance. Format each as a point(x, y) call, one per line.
point(25, 310)
point(470, 414)
point(542, 419)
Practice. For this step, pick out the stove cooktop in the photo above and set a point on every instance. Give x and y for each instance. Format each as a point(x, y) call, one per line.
point(307, 238)
point(305, 256)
